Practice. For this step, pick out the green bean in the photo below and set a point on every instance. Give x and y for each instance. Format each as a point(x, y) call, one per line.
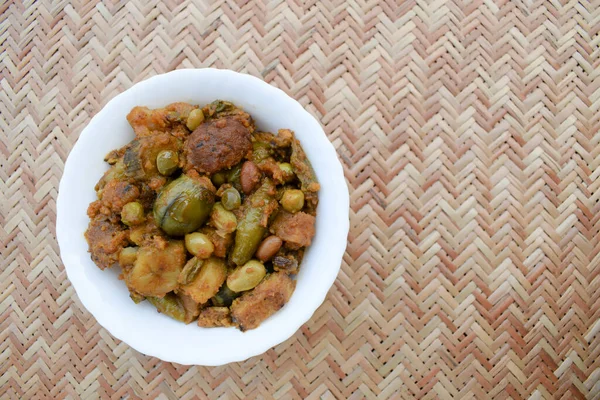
point(260, 152)
point(253, 225)
point(169, 305)
point(302, 168)
point(224, 297)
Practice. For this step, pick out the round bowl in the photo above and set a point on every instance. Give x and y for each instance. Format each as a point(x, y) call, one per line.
point(107, 298)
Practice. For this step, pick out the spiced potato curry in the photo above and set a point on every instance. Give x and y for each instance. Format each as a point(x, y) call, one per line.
point(207, 217)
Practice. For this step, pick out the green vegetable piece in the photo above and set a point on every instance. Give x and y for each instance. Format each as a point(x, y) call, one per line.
point(292, 200)
point(189, 271)
point(288, 171)
point(260, 152)
point(127, 256)
point(183, 205)
point(303, 169)
point(233, 176)
point(132, 213)
point(223, 220)
point(224, 297)
point(167, 162)
point(199, 244)
point(169, 305)
point(136, 297)
point(247, 276)
point(195, 118)
point(231, 199)
point(219, 178)
point(253, 224)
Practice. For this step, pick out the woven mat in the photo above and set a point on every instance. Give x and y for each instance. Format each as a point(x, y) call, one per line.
point(470, 137)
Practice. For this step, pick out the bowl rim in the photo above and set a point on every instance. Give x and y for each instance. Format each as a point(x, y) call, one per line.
point(311, 303)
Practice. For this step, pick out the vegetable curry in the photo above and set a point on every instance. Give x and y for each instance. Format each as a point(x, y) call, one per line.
point(206, 216)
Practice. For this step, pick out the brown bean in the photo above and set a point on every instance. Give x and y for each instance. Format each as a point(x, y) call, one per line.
point(249, 176)
point(268, 248)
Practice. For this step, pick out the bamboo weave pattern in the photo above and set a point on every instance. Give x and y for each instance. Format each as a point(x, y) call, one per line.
point(470, 136)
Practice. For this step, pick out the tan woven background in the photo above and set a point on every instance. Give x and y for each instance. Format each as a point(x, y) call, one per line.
point(470, 137)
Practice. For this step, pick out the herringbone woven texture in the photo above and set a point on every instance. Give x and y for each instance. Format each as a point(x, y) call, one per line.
point(470, 136)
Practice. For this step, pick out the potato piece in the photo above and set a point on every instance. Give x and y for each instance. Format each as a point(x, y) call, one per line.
point(155, 271)
point(255, 306)
point(207, 281)
point(145, 233)
point(212, 317)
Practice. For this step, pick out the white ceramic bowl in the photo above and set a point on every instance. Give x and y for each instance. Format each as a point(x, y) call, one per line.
point(107, 298)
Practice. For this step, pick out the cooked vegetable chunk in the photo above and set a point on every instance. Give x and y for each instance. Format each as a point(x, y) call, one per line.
point(247, 276)
point(212, 317)
point(199, 245)
point(169, 305)
point(146, 122)
point(155, 271)
point(167, 162)
point(141, 154)
point(116, 194)
point(253, 225)
point(223, 220)
point(207, 281)
point(184, 204)
point(132, 213)
point(255, 306)
point(106, 240)
point(296, 230)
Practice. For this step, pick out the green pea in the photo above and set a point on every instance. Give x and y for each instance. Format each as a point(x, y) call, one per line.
point(288, 171)
point(292, 200)
point(219, 178)
point(167, 162)
point(132, 213)
point(231, 199)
